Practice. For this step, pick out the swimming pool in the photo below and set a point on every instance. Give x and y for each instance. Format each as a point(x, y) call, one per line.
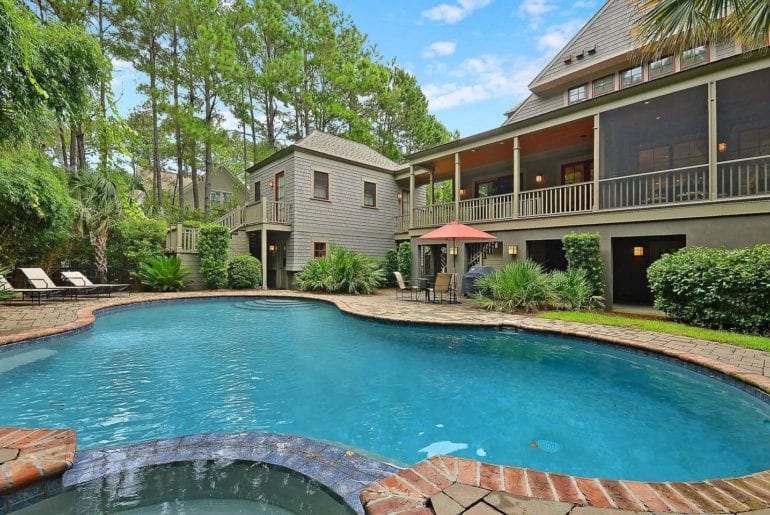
point(403, 392)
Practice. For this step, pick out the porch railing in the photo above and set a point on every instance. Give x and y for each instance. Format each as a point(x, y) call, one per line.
point(401, 224)
point(675, 186)
point(268, 212)
point(496, 207)
point(437, 214)
point(743, 177)
point(557, 200)
point(232, 219)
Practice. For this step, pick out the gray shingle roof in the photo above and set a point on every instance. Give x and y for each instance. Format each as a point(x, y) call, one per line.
point(336, 146)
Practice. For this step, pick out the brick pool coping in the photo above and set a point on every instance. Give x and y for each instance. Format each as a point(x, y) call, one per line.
point(410, 490)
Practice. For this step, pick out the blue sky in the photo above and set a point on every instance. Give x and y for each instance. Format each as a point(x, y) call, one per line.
point(473, 58)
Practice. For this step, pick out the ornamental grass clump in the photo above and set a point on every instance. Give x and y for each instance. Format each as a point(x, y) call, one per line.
point(162, 273)
point(342, 271)
point(244, 271)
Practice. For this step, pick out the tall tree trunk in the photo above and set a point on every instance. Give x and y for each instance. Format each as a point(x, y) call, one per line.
point(103, 152)
point(81, 140)
point(253, 126)
point(207, 152)
point(73, 148)
point(194, 153)
point(157, 191)
point(99, 241)
point(63, 141)
point(177, 128)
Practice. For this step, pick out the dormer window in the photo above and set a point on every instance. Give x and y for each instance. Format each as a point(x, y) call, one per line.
point(630, 77)
point(604, 85)
point(577, 94)
point(662, 66)
point(695, 56)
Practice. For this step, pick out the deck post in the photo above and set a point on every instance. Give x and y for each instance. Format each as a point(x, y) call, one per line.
point(263, 252)
point(516, 177)
point(712, 140)
point(179, 228)
point(432, 188)
point(457, 186)
point(411, 197)
point(597, 164)
point(263, 214)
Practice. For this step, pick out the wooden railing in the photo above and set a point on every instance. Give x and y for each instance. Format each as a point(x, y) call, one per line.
point(232, 219)
point(401, 224)
point(437, 214)
point(496, 207)
point(675, 186)
point(557, 200)
point(267, 212)
point(743, 177)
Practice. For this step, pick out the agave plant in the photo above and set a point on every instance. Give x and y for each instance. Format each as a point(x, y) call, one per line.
point(521, 285)
point(573, 290)
point(163, 273)
point(341, 271)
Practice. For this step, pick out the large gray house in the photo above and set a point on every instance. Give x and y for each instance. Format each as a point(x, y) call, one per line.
point(652, 155)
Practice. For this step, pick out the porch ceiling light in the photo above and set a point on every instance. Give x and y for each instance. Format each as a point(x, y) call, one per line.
point(513, 250)
point(638, 251)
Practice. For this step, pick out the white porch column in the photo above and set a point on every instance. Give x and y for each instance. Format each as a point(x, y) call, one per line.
point(712, 140)
point(411, 197)
point(263, 246)
point(516, 177)
point(432, 188)
point(597, 164)
point(457, 186)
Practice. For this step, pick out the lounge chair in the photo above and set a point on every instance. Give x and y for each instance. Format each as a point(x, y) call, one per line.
point(78, 279)
point(413, 289)
point(446, 284)
point(37, 278)
point(30, 293)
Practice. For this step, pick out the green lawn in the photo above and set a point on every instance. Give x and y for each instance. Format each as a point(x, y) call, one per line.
point(661, 326)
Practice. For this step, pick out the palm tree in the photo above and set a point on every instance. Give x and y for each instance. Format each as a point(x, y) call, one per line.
point(677, 25)
point(99, 205)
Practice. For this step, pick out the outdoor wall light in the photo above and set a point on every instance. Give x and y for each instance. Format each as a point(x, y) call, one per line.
point(638, 251)
point(272, 247)
point(462, 192)
point(722, 147)
point(270, 183)
point(539, 179)
point(513, 250)
point(399, 195)
point(453, 251)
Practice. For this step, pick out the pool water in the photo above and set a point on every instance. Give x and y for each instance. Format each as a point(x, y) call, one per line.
point(197, 488)
point(403, 392)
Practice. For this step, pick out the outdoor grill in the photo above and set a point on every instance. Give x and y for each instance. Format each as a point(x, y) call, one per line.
point(469, 279)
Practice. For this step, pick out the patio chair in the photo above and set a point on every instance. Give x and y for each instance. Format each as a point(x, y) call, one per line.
point(403, 288)
point(446, 284)
point(78, 279)
point(37, 278)
point(31, 293)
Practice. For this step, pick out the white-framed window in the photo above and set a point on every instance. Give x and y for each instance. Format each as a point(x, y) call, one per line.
point(695, 56)
point(220, 197)
point(662, 66)
point(370, 194)
point(257, 191)
point(631, 76)
point(320, 185)
point(604, 85)
point(577, 94)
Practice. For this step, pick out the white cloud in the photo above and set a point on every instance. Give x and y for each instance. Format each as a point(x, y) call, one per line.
point(453, 13)
point(482, 78)
point(123, 72)
point(584, 4)
point(536, 8)
point(556, 36)
point(439, 48)
point(228, 121)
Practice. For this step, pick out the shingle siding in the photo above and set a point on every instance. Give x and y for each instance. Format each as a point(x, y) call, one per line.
point(342, 220)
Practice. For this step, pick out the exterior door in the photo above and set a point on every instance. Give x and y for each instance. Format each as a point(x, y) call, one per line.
point(280, 196)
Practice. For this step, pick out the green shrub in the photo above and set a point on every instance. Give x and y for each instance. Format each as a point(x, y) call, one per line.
point(715, 287)
point(213, 241)
point(341, 271)
point(583, 252)
point(162, 273)
point(4, 293)
point(244, 271)
point(573, 290)
point(397, 260)
point(132, 242)
point(521, 285)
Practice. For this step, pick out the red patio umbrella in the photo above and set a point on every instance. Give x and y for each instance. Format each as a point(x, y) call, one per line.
point(454, 231)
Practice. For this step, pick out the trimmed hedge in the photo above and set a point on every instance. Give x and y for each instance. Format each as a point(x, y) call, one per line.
point(715, 287)
point(213, 241)
point(583, 252)
point(244, 271)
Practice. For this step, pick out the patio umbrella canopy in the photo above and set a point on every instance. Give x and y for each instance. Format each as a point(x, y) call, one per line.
point(456, 231)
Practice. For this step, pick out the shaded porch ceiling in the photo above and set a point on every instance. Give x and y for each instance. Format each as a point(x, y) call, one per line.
point(553, 138)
